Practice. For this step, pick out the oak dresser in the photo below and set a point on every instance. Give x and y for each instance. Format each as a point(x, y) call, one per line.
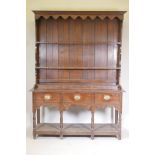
point(78, 63)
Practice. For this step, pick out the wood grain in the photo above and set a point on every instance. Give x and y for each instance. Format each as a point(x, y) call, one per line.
point(77, 129)
point(78, 62)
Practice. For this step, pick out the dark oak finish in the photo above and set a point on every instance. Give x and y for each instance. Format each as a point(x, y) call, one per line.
point(77, 129)
point(78, 63)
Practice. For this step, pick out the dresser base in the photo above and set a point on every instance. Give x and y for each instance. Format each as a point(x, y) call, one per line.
point(53, 129)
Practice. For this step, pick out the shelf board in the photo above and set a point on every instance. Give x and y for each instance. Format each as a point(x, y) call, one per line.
point(75, 81)
point(79, 43)
point(77, 129)
point(79, 68)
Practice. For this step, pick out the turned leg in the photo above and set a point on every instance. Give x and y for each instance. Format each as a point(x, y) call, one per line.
point(92, 124)
point(38, 116)
point(116, 116)
point(119, 125)
point(34, 124)
point(61, 124)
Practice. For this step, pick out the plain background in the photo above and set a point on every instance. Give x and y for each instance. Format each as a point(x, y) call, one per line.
point(13, 88)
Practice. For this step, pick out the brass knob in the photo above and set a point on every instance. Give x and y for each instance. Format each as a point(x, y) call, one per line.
point(107, 97)
point(47, 97)
point(77, 97)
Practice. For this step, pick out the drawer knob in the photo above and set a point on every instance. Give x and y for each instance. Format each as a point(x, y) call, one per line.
point(47, 97)
point(77, 97)
point(107, 97)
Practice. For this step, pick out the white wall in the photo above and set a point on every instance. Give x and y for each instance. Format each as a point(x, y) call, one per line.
point(75, 115)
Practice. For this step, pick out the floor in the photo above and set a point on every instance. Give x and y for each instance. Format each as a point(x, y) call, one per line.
point(77, 145)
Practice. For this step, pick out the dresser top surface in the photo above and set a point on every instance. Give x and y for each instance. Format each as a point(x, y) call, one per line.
point(77, 12)
point(74, 14)
point(77, 87)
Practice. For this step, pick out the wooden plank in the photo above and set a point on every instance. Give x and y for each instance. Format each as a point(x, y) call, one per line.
point(116, 116)
point(46, 128)
point(112, 50)
point(116, 48)
point(75, 60)
point(119, 51)
point(75, 80)
point(77, 129)
point(45, 12)
point(49, 55)
point(52, 49)
point(41, 29)
point(101, 52)
point(63, 53)
point(42, 47)
point(106, 88)
point(34, 124)
point(61, 124)
point(38, 116)
point(92, 125)
point(80, 43)
point(55, 47)
point(79, 68)
point(88, 50)
point(82, 14)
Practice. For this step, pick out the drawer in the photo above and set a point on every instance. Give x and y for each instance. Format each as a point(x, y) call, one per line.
point(77, 98)
point(113, 98)
point(47, 97)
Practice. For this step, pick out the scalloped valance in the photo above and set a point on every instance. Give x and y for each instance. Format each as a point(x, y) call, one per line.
point(80, 14)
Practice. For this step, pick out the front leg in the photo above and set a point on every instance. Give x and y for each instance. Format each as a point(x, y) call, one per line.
point(61, 124)
point(34, 124)
point(92, 124)
point(38, 115)
point(119, 125)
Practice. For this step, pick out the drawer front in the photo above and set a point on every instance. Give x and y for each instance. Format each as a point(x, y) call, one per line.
point(107, 98)
point(77, 98)
point(47, 97)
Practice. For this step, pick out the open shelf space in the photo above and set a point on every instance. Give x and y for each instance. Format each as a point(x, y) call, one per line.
point(76, 129)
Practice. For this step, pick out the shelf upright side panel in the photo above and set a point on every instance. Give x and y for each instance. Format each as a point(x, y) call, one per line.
point(119, 51)
point(37, 71)
point(113, 27)
point(42, 47)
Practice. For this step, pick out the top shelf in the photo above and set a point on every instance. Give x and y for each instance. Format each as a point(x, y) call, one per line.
point(82, 14)
point(79, 43)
